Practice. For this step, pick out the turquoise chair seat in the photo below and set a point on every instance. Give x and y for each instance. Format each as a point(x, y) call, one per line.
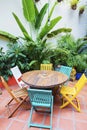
point(40, 104)
point(44, 99)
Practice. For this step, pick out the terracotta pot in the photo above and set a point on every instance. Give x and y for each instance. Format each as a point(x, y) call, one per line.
point(12, 81)
point(1, 85)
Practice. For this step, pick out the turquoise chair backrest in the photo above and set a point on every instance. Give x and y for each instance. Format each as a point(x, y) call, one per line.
point(40, 97)
point(66, 70)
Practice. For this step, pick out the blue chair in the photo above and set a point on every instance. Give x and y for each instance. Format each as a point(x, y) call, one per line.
point(40, 99)
point(66, 70)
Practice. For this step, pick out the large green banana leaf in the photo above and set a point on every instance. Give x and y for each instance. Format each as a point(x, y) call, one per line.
point(51, 11)
point(47, 27)
point(9, 36)
point(29, 10)
point(53, 33)
point(41, 16)
point(25, 33)
point(36, 10)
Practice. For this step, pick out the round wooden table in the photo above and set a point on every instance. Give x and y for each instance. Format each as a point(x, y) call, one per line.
point(44, 79)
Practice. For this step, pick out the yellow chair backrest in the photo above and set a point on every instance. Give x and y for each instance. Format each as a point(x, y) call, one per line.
point(46, 66)
point(81, 82)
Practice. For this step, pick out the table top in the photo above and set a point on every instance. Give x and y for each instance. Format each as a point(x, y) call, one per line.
point(44, 78)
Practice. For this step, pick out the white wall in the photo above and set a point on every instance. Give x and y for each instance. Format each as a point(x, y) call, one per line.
point(70, 18)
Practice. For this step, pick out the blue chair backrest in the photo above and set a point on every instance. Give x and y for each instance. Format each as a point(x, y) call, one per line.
point(40, 97)
point(66, 70)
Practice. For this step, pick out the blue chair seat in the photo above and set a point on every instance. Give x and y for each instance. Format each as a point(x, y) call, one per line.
point(40, 104)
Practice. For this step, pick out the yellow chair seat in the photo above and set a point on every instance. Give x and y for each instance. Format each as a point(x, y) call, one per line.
point(68, 90)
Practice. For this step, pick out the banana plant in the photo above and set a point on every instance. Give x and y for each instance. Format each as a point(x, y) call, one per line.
point(35, 49)
point(35, 18)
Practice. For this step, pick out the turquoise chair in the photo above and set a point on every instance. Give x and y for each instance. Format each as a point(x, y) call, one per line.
point(40, 98)
point(66, 70)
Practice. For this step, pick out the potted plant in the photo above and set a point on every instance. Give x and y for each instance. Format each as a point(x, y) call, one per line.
point(4, 65)
point(37, 0)
point(74, 53)
point(15, 55)
point(59, 0)
point(35, 48)
point(81, 9)
point(74, 4)
point(35, 19)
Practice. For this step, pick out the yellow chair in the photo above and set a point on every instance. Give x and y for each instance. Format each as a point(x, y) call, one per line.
point(69, 93)
point(46, 66)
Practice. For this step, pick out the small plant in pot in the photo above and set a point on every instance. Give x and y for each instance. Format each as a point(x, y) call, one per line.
point(37, 0)
point(81, 9)
point(5, 65)
point(81, 65)
point(74, 4)
point(59, 0)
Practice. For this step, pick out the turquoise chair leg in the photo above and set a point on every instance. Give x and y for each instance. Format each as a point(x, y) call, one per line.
point(40, 99)
point(30, 119)
point(39, 125)
point(51, 114)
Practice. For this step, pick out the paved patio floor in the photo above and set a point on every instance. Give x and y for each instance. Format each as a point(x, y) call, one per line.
point(63, 119)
